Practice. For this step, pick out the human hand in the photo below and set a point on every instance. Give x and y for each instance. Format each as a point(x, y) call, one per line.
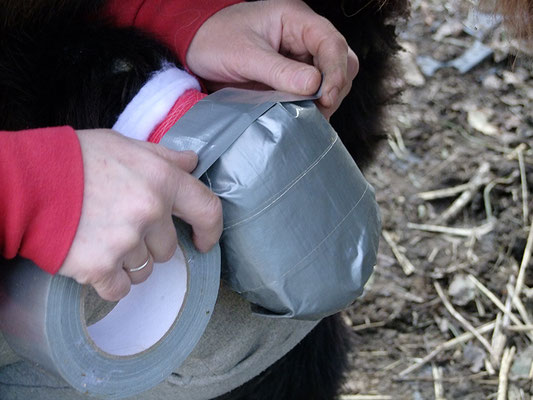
point(279, 43)
point(132, 189)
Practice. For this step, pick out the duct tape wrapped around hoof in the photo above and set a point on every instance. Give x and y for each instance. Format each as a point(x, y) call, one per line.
point(301, 224)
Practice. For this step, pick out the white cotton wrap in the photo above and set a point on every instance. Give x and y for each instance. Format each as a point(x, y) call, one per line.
point(153, 102)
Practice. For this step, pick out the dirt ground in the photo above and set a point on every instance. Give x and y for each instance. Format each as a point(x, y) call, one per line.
point(469, 247)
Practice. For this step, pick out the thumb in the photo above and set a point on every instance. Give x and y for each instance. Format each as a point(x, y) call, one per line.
point(282, 73)
point(185, 160)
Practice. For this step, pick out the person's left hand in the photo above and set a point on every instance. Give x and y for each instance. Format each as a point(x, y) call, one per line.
point(131, 190)
point(282, 44)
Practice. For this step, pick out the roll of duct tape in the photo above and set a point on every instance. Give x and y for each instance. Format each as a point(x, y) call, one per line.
point(145, 337)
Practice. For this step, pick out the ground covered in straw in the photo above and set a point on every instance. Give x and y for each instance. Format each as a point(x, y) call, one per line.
point(449, 312)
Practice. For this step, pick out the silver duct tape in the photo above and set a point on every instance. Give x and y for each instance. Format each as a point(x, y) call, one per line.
point(136, 346)
point(301, 224)
point(218, 120)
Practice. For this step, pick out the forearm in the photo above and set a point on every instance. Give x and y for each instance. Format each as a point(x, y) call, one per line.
point(41, 193)
point(173, 22)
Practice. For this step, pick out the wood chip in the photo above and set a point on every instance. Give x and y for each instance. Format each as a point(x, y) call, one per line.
point(479, 120)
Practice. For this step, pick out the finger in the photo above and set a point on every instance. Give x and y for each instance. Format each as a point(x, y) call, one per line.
point(332, 60)
point(186, 160)
point(114, 286)
point(330, 101)
point(332, 55)
point(338, 97)
point(198, 206)
point(281, 73)
point(162, 240)
point(138, 258)
point(353, 65)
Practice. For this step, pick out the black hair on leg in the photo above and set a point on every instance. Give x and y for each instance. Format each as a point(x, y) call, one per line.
point(313, 370)
point(28, 13)
point(369, 28)
point(81, 75)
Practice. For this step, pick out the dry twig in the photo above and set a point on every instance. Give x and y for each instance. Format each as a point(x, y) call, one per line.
point(517, 303)
point(523, 179)
point(437, 383)
point(451, 379)
point(523, 328)
point(525, 262)
point(407, 266)
point(443, 193)
point(507, 359)
point(467, 325)
point(498, 341)
point(397, 144)
point(480, 178)
point(498, 303)
point(368, 325)
point(490, 186)
point(445, 346)
point(465, 232)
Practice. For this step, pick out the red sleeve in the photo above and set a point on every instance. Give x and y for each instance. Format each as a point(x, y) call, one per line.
point(174, 22)
point(41, 194)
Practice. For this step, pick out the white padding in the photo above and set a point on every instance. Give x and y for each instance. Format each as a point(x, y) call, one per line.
point(151, 105)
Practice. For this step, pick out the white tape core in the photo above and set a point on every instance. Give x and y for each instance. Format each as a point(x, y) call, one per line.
point(147, 313)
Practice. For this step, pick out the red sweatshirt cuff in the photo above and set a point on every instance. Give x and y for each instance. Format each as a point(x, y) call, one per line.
point(173, 22)
point(41, 181)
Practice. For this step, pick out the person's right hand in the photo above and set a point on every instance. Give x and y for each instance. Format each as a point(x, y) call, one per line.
point(282, 44)
point(132, 189)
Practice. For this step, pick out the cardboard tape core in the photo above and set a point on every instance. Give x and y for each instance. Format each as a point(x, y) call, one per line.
point(146, 314)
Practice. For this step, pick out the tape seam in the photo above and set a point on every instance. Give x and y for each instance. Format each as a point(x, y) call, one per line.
point(274, 198)
point(295, 266)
